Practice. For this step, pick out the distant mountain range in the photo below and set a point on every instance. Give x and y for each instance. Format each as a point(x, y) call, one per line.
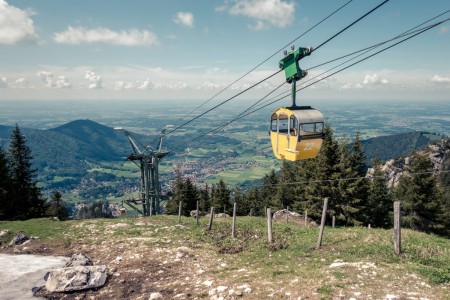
point(66, 150)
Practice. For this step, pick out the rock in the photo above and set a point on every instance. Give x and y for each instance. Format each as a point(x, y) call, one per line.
point(293, 217)
point(79, 260)
point(76, 278)
point(183, 252)
point(55, 219)
point(155, 296)
point(18, 239)
point(193, 213)
point(221, 288)
point(207, 283)
point(221, 215)
point(4, 232)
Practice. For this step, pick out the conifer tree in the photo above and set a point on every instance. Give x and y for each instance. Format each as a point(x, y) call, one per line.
point(26, 196)
point(57, 207)
point(285, 195)
point(444, 182)
point(205, 199)
point(5, 187)
point(325, 166)
point(349, 201)
point(190, 195)
point(221, 201)
point(269, 189)
point(419, 195)
point(237, 197)
point(379, 200)
point(177, 190)
point(253, 202)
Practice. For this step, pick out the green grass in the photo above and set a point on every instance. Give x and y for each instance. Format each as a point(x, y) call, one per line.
point(291, 254)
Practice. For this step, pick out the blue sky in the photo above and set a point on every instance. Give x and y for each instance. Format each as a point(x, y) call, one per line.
point(179, 49)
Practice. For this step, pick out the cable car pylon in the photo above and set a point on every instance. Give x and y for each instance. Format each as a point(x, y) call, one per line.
point(148, 160)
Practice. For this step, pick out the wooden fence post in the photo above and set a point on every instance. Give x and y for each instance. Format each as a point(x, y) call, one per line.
point(322, 222)
point(197, 215)
point(269, 225)
point(179, 211)
point(233, 225)
point(211, 217)
point(306, 217)
point(287, 215)
point(333, 221)
point(397, 228)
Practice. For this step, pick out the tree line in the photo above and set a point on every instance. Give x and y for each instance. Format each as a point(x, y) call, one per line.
point(339, 173)
point(20, 197)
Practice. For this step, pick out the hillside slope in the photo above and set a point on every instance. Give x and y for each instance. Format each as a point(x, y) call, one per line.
point(185, 261)
point(393, 146)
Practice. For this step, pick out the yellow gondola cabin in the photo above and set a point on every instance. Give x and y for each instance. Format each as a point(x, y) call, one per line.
point(296, 132)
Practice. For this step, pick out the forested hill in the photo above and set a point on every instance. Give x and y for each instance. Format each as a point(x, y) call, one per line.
point(393, 146)
point(66, 149)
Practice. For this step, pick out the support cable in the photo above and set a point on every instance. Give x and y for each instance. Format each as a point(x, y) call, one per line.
point(354, 178)
point(417, 32)
point(409, 31)
point(268, 58)
point(351, 24)
point(223, 102)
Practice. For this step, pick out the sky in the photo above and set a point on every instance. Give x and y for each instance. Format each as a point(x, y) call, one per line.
point(180, 49)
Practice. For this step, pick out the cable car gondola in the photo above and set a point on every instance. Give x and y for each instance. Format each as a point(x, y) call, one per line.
point(296, 132)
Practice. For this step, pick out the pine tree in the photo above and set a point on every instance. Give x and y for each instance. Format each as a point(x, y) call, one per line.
point(285, 188)
point(237, 196)
point(57, 207)
point(205, 199)
point(252, 200)
point(190, 195)
point(26, 196)
point(269, 189)
point(419, 195)
point(324, 169)
point(379, 200)
point(177, 190)
point(222, 198)
point(351, 193)
point(444, 182)
point(5, 187)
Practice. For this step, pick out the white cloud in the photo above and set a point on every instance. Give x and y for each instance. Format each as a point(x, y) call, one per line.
point(3, 82)
point(266, 13)
point(440, 79)
point(374, 79)
point(20, 83)
point(147, 84)
point(47, 78)
point(16, 26)
point(63, 83)
point(184, 18)
point(95, 81)
point(347, 86)
point(208, 85)
point(131, 37)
